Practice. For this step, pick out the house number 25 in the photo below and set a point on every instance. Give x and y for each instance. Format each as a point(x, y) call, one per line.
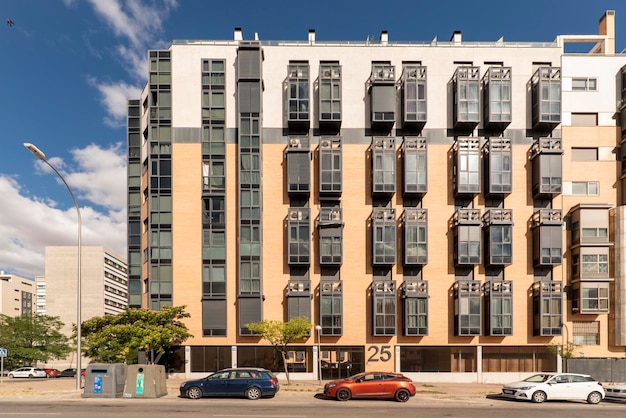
point(379, 353)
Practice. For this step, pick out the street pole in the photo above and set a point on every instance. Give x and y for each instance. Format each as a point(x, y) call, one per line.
point(37, 153)
point(318, 328)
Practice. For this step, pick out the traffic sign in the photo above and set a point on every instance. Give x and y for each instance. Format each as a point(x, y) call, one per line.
point(3, 352)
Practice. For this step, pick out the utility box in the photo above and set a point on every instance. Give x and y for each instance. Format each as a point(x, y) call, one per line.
point(104, 380)
point(145, 381)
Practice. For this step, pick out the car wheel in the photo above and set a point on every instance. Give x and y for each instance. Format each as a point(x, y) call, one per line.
point(253, 393)
point(539, 396)
point(194, 392)
point(343, 394)
point(402, 395)
point(594, 398)
point(11, 376)
point(30, 376)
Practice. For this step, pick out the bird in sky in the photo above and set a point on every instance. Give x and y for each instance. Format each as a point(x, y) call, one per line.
point(10, 22)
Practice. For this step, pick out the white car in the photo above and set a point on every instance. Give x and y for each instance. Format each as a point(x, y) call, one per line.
point(616, 390)
point(27, 372)
point(556, 386)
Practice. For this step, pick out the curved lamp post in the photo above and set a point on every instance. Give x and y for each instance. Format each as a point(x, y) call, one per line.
point(37, 153)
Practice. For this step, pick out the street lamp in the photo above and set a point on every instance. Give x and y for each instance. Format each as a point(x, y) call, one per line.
point(318, 328)
point(37, 153)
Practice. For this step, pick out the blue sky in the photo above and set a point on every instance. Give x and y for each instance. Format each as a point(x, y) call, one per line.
point(67, 68)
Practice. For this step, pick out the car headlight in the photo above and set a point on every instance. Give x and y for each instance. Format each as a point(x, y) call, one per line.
point(525, 388)
point(331, 385)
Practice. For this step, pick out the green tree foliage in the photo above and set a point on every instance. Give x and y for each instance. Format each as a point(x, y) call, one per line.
point(116, 338)
point(32, 338)
point(280, 334)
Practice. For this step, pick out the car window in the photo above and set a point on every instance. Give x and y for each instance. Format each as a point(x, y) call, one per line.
point(579, 379)
point(243, 375)
point(221, 375)
point(561, 379)
point(538, 378)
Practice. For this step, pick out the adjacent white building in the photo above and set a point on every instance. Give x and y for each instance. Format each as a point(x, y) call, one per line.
point(16, 294)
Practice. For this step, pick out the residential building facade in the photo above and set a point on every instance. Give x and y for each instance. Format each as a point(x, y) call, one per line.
point(17, 295)
point(449, 210)
point(104, 285)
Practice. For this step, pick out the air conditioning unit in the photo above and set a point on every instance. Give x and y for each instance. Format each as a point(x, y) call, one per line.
point(325, 143)
point(295, 143)
point(334, 215)
point(379, 143)
point(327, 74)
point(295, 215)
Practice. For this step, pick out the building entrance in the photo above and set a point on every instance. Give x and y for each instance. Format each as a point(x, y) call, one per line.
point(341, 362)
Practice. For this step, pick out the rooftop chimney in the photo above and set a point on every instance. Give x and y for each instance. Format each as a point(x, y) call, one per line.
point(238, 34)
point(606, 27)
point(456, 37)
point(384, 37)
point(311, 36)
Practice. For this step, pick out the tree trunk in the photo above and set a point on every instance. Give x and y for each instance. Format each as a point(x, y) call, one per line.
point(282, 353)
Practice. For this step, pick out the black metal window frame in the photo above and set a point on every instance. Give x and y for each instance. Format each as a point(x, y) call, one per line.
point(499, 307)
point(384, 233)
point(384, 307)
point(331, 307)
point(299, 238)
point(467, 308)
point(299, 109)
point(415, 236)
point(415, 295)
point(383, 165)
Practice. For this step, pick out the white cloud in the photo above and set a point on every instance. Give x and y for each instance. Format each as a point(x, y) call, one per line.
point(138, 24)
point(114, 97)
point(29, 223)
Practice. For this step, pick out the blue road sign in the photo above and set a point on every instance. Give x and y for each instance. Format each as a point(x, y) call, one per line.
point(3, 352)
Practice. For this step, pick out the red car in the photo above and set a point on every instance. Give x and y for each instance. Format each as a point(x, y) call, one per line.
point(52, 372)
point(371, 385)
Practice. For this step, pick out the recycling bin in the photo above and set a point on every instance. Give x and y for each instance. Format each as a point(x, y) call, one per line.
point(145, 381)
point(104, 380)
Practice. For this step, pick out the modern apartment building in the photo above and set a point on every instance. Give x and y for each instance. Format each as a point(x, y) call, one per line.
point(449, 210)
point(16, 295)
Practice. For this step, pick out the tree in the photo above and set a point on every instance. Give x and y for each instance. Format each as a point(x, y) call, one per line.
point(281, 334)
point(32, 338)
point(116, 338)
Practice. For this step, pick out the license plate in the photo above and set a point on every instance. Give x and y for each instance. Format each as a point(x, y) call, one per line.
point(508, 391)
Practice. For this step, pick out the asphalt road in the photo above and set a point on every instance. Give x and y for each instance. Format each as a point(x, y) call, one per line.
point(304, 405)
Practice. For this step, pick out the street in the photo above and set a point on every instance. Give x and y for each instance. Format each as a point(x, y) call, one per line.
point(304, 405)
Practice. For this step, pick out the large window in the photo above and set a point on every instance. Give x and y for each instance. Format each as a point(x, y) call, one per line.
point(298, 91)
point(384, 236)
point(209, 359)
point(499, 359)
point(415, 172)
point(330, 92)
point(466, 95)
point(438, 359)
point(331, 307)
point(586, 332)
point(584, 84)
point(384, 165)
point(384, 307)
point(467, 308)
point(547, 308)
point(467, 165)
point(330, 166)
point(415, 236)
point(299, 251)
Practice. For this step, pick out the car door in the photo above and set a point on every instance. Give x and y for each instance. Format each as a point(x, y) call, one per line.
point(370, 385)
point(560, 387)
point(216, 384)
point(239, 381)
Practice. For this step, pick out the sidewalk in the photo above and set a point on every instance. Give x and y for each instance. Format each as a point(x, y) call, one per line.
point(65, 388)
